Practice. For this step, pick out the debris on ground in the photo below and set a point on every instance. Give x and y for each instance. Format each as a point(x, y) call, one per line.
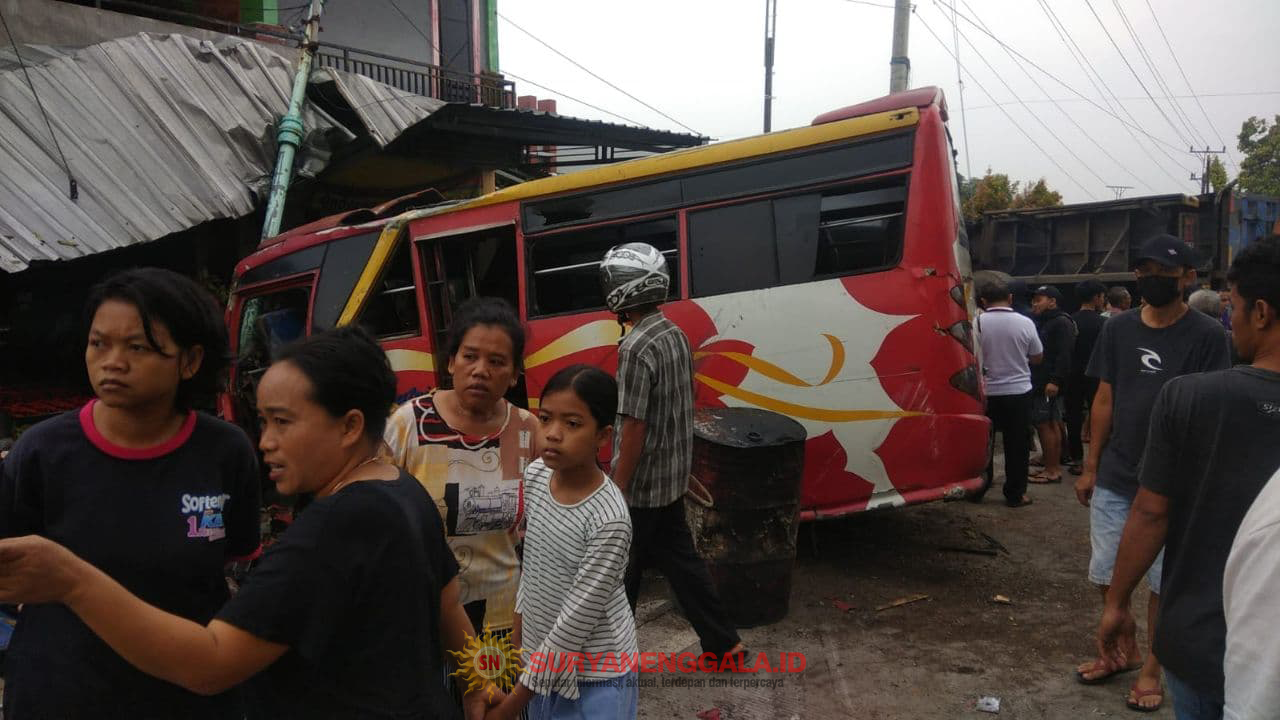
point(841, 605)
point(712, 714)
point(970, 550)
point(907, 600)
point(994, 543)
point(1002, 600)
point(988, 704)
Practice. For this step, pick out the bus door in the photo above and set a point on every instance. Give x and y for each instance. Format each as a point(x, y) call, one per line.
point(461, 265)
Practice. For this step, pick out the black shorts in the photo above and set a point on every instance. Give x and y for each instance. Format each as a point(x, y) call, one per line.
point(1044, 409)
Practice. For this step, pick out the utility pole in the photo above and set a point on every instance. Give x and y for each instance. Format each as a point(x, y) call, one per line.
point(289, 135)
point(1208, 154)
point(770, 29)
point(900, 64)
point(1119, 190)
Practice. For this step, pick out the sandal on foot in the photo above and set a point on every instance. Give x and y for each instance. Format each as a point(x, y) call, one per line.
point(1138, 694)
point(1099, 665)
point(1025, 501)
point(1042, 479)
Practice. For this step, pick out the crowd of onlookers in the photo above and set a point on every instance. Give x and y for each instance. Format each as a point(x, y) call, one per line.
point(1168, 416)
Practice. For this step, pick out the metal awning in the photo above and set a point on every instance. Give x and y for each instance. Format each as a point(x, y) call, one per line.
point(163, 132)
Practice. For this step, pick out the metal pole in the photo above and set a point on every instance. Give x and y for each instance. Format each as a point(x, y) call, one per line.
point(289, 136)
point(899, 64)
point(770, 27)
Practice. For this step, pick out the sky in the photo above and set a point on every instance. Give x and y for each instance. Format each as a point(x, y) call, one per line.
point(701, 63)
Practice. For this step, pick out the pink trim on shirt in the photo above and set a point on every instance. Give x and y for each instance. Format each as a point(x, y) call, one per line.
point(123, 453)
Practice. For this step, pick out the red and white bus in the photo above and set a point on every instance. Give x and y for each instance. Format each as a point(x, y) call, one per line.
point(820, 272)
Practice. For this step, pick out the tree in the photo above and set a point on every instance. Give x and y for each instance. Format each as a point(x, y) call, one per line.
point(1217, 174)
point(988, 193)
point(1037, 196)
point(1260, 168)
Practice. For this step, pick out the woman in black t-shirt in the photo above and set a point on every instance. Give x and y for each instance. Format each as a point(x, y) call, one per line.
point(347, 614)
point(155, 495)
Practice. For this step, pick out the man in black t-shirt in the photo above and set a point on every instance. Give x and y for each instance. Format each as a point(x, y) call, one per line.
point(1213, 444)
point(1137, 352)
point(1049, 378)
point(1080, 388)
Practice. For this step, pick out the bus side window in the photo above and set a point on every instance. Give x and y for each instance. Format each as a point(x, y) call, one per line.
point(784, 241)
point(565, 266)
point(860, 231)
point(392, 310)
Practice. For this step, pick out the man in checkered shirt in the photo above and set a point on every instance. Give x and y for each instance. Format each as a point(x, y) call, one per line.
point(653, 441)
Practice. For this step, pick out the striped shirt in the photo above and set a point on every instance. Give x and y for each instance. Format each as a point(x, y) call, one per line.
point(655, 384)
point(571, 598)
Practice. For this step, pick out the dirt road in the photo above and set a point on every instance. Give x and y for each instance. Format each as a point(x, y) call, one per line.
point(929, 659)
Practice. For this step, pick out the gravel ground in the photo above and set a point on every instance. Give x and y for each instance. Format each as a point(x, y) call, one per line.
point(930, 659)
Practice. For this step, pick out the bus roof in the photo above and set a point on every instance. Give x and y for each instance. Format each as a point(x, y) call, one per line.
point(919, 97)
point(882, 114)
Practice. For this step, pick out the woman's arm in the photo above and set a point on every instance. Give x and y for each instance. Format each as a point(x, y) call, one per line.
point(203, 659)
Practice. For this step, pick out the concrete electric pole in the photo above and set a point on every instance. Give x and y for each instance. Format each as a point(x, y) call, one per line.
point(770, 28)
point(1208, 154)
point(899, 64)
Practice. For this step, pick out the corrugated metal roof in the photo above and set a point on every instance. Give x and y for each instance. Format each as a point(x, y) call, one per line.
point(385, 111)
point(162, 132)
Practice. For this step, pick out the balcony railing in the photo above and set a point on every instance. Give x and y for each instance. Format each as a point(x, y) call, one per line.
point(420, 78)
point(402, 73)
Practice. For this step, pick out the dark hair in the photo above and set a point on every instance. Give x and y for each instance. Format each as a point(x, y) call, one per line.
point(593, 386)
point(348, 371)
point(1117, 295)
point(1256, 272)
point(190, 314)
point(994, 291)
point(488, 311)
point(1089, 289)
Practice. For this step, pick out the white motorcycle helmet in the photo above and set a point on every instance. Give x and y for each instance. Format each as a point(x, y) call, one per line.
point(632, 275)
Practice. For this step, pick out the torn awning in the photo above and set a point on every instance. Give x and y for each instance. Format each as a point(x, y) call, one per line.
point(161, 132)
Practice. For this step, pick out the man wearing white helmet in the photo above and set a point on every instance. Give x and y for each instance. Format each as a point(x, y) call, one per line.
point(653, 440)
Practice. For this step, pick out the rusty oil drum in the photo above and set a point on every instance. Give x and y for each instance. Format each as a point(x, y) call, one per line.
point(743, 507)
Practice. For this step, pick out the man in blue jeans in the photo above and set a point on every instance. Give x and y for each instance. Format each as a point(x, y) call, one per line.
point(1137, 352)
point(1213, 445)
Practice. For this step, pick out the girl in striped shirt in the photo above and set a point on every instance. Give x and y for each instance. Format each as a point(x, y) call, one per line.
point(572, 615)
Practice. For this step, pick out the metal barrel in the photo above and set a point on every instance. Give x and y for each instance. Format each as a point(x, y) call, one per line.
point(743, 507)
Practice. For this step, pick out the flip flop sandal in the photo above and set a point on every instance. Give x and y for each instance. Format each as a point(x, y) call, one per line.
point(1039, 479)
point(1138, 695)
point(1018, 503)
point(1080, 675)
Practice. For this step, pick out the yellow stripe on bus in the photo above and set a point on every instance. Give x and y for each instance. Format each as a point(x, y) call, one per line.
point(411, 360)
point(381, 251)
point(597, 334)
point(696, 157)
point(801, 411)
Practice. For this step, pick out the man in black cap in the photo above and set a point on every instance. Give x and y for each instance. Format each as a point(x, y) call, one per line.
point(1137, 352)
point(1049, 378)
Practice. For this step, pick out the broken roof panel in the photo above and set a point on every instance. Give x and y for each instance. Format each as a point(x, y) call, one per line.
point(161, 132)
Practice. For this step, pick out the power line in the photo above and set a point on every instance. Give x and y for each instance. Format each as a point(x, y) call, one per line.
point(1037, 118)
point(1135, 97)
point(1155, 73)
point(588, 71)
point(1061, 109)
point(1141, 84)
point(414, 25)
point(1178, 63)
point(964, 121)
point(872, 4)
point(1006, 113)
point(567, 96)
point(73, 190)
point(1105, 91)
point(1131, 123)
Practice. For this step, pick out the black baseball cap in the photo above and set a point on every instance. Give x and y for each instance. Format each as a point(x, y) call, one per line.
point(1048, 291)
point(1168, 251)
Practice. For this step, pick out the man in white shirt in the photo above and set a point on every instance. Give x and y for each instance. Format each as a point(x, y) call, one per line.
point(1010, 345)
